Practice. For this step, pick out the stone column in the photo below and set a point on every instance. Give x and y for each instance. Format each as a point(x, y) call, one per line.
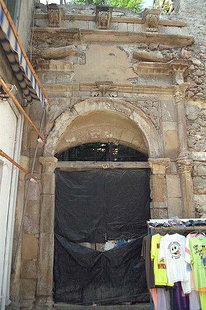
point(184, 163)
point(184, 167)
point(46, 236)
point(159, 187)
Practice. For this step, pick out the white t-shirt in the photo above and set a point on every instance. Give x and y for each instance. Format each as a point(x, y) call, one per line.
point(172, 251)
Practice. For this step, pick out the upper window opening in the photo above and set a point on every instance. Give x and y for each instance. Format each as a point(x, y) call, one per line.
point(101, 152)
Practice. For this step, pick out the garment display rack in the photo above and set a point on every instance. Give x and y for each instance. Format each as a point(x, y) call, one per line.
point(174, 229)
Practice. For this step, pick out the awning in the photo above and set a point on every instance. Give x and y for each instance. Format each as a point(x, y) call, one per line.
point(30, 84)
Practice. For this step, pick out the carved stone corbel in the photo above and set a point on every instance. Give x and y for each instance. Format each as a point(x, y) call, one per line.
point(54, 15)
point(151, 19)
point(159, 165)
point(178, 68)
point(103, 16)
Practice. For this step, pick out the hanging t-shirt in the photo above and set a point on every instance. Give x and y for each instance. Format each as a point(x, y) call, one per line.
point(198, 260)
point(160, 273)
point(172, 251)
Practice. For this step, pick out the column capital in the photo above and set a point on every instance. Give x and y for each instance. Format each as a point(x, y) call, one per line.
point(184, 165)
point(48, 163)
point(178, 67)
point(159, 165)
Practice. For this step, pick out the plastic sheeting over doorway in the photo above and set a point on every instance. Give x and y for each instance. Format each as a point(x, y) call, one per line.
point(96, 206)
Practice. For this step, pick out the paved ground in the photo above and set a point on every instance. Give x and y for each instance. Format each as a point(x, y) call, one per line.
point(76, 307)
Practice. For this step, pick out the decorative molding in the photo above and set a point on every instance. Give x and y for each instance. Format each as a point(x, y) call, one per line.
point(103, 16)
point(159, 165)
point(151, 108)
point(151, 19)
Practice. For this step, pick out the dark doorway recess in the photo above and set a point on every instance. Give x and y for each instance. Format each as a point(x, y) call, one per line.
point(102, 152)
point(96, 206)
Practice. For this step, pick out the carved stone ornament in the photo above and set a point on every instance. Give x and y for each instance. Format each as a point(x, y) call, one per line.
point(184, 166)
point(104, 89)
point(179, 93)
point(103, 16)
point(151, 19)
point(54, 15)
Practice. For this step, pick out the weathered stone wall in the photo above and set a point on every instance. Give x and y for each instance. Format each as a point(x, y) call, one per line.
point(193, 14)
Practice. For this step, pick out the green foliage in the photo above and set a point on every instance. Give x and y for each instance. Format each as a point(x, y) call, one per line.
point(134, 5)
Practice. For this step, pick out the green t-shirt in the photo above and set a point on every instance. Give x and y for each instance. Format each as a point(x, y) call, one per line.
point(198, 260)
point(160, 273)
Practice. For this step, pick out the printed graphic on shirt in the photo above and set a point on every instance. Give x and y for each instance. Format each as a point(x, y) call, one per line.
point(174, 248)
point(201, 251)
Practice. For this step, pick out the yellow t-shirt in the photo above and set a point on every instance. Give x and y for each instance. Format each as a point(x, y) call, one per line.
point(160, 273)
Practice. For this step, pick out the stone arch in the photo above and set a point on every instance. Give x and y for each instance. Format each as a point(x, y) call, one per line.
point(136, 119)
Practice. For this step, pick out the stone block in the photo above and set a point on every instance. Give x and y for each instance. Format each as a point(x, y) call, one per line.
point(171, 143)
point(122, 27)
point(48, 183)
point(200, 204)
point(159, 188)
point(168, 111)
point(47, 214)
point(29, 247)
point(34, 192)
point(29, 269)
point(159, 213)
point(31, 218)
point(130, 27)
point(175, 207)
point(199, 185)
point(45, 283)
point(173, 186)
point(200, 169)
point(28, 288)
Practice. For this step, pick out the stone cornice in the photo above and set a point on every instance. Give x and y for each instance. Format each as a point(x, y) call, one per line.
point(126, 88)
point(110, 36)
point(133, 20)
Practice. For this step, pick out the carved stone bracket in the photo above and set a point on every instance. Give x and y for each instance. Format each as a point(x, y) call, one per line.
point(54, 15)
point(104, 89)
point(103, 16)
point(159, 165)
point(178, 68)
point(151, 19)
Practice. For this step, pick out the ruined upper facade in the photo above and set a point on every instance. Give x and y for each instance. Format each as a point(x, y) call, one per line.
point(115, 76)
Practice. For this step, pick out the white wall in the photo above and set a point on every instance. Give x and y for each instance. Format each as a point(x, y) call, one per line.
point(10, 142)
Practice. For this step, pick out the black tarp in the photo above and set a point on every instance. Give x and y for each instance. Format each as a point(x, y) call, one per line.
point(92, 206)
point(85, 276)
point(98, 204)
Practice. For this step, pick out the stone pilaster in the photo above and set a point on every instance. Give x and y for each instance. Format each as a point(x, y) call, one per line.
point(184, 167)
point(46, 244)
point(159, 187)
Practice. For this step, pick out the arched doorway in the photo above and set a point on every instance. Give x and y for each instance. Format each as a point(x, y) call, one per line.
point(92, 121)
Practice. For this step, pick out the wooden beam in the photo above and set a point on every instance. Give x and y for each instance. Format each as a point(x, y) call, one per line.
point(17, 165)
point(23, 50)
point(9, 93)
point(88, 165)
